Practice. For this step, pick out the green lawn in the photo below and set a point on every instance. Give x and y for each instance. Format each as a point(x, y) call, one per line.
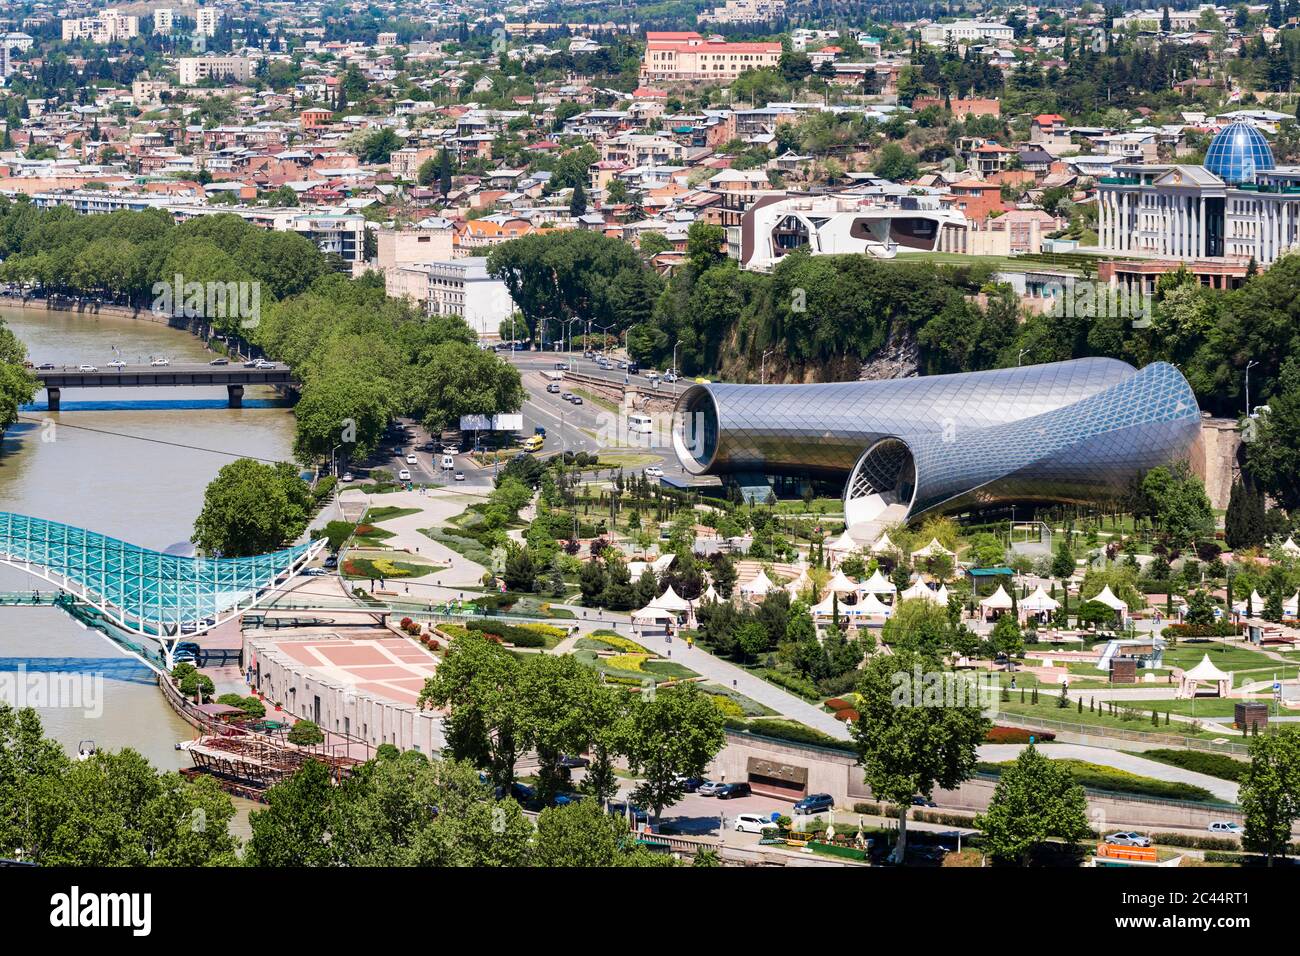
point(1245, 665)
point(1114, 780)
point(1047, 709)
point(652, 668)
point(385, 512)
point(1201, 707)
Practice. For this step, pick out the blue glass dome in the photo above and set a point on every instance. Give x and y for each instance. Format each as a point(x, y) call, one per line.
point(1237, 153)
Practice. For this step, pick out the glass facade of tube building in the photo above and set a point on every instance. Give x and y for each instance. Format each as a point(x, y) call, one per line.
point(1066, 432)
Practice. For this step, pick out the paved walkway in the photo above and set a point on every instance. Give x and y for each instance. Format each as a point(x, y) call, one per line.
point(436, 507)
point(1133, 763)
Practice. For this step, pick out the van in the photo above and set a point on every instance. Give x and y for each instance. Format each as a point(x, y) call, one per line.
point(448, 461)
point(639, 423)
point(533, 444)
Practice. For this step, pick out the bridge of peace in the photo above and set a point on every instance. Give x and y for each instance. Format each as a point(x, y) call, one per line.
point(234, 377)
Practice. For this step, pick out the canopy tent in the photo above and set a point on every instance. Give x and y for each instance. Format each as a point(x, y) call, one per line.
point(840, 584)
point(883, 545)
point(841, 547)
point(1039, 601)
point(757, 586)
point(1107, 597)
point(670, 600)
point(878, 584)
point(1290, 547)
point(827, 607)
point(1204, 673)
point(919, 591)
point(996, 602)
point(1254, 606)
point(1291, 606)
point(870, 606)
point(651, 615)
point(709, 595)
point(933, 548)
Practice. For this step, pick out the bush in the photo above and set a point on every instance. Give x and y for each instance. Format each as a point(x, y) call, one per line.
point(792, 682)
point(1211, 764)
point(1193, 841)
point(788, 730)
point(1017, 735)
point(305, 733)
point(1217, 629)
point(1112, 780)
point(194, 683)
point(509, 633)
point(838, 703)
point(249, 705)
point(848, 715)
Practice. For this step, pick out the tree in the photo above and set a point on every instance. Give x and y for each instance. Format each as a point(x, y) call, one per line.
point(607, 709)
point(752, 637)
point(579, 834)
point(1062, 561)
point(906, 748)
point(1269, 792)
point(444, 173)
point(555, 692)
point(290, 832)
point(705, 244)
point(1243, 525)
point(459, 379)
point(305, 733)
point(1176, 499)
point(895, 163)
point(378, 146)
point(670, 736)
point(578, 201)
point(252, 508)
point(1035, 799)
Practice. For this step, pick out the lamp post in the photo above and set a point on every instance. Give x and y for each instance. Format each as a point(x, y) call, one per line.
point(1249, 366)
point(762, 367)
point(1022, 354)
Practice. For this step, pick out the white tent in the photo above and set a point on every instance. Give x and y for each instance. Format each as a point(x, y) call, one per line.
point(1039, 601)
point(709, 595)
point(999, 600)
point(840, 584)
point(1107, 597)
point(1291, 606)
point(941, 595)
point(670, 600)
point(883, 545)
point(652, 615)
point(1290, 547)
point(757, 586)
point(870, 606)
point(841, 547)
point(878, 584)
point(919, 591)
point(827, 607)
point(1204, 673)
point(933, 548)
point(1257, 603)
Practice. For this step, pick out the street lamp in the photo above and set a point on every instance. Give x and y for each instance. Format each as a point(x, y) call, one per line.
point(762, 366)
point(1023, 353)
point(1249, 366)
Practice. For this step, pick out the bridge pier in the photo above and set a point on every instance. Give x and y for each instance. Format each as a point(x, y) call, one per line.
point(54, 395)
point(235, 396)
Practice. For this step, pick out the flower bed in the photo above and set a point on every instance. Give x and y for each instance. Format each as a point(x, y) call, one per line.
point(1017, 735)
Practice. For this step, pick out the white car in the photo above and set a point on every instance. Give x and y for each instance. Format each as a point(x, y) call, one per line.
point(404, 475)
point(670, 377)
point(87, 368)
point(654, 471)
point(410, 459)
point(161, 361)
point(347, 476)
point(460, 476)
point(117, 363)
point(752, 823)
point(1226, 827)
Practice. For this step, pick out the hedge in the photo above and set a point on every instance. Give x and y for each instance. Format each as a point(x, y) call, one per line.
point(509, 633)
point(1017, 735)
point(1217, 629)
point(1210, 764)
point(787, 730)
point(791, 682)
point(1194, 842)
point(1112, 780)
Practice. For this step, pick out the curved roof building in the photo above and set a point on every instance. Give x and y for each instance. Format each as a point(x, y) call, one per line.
point(1077, 431)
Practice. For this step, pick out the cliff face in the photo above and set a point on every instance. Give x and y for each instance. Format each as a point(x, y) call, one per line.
point(899, 357)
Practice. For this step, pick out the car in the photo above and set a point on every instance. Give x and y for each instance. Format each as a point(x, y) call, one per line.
point(633, 368)
point(459, 476)
point(815, 803)
point(561, 366)
point(87, 368)
point(654, 471)
point(1128, 838)
point(618, 808)
point(117, 363)
point(690, 784)
point(314, 572)
point(451, 449)
point(567, 396)
point(45, 366)
point(251, 363)
point(670, 376)
point(732, 790)
point(577, 399)
point(622, 366)
point(573, 762)
point(161, 362)
point(709, 788)
point(184, 657)
point(1226, 827)
point(347, 476)
point(404, 475)
point(753, 823)
point(411, 459)
point(263, 363)
point(565, 799)
point(923, 802)
point(553, 388)
point(220, 361)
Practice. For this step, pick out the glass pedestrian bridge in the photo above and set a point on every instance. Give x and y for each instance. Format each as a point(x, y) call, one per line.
point(142, 591)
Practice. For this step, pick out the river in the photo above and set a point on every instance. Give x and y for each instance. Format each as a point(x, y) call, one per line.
point(131, 463)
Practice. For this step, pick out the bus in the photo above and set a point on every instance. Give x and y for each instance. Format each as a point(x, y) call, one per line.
point(639, 423)
point(533, 443)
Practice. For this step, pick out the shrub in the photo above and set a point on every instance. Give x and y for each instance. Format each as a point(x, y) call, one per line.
point(1017, 735)
point(792, 682)
point(727, 706)
point(305, 733)
point(788, 730)
point(508, 633)
point(848, 715)
point(1113, 780)
point(193, 683)
point(1217, 629)
point(838, 703)
point(1211, 764)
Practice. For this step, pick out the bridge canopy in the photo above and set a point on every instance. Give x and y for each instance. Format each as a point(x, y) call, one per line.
point(144, 591)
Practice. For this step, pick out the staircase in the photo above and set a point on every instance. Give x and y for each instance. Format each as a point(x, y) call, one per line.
point(865, 533)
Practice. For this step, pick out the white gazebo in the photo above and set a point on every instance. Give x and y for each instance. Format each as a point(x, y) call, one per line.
point(919, 591)
point(995, 603)
point(841, 548)
point(827, 607)
point(1291, 606)
point(841, 584)
point(1107, 597)
point(1204, 673)
point(871, 607)
point(883, 545)
point(652, 617)
point(933, 548)
point(878, 584)
point(757, 586)
point(709, 595)
point(1040, 602)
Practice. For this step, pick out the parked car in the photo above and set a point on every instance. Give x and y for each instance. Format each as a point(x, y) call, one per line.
point(347, 476)
point(734, 790)
point(1226, 827)
point(332, 561)
point(691, 784)
point(251, 363)
point(314, 572)
point(815, 803)
point(573, 762)
point(45, 366)
point(618, 808)
point(752, 823)
point(923, 802)
point(1128, 838)
point(161, 362)
point(709, 788)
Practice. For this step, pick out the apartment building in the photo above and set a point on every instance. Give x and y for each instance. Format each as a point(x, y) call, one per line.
point(110, 26)
point(194, 70)
point(205, 24)
point(745, 11)
point(685, 55)
point(966, 31)
point(405, 163)
point(164, 21)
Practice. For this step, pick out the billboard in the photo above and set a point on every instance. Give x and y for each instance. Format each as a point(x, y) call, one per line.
point(491, 423)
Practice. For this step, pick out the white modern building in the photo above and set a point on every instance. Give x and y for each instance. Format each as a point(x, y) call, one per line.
point(163, 21)
point(109, 26)
point(966, 31)
point(460, 287)
point(193, 70)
